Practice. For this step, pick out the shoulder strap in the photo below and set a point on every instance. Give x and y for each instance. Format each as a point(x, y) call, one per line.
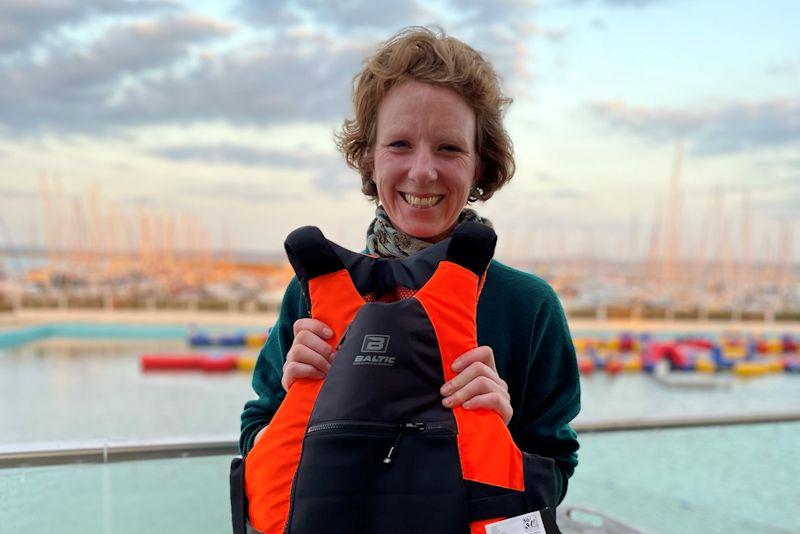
point(472, 247)
point(311, 254)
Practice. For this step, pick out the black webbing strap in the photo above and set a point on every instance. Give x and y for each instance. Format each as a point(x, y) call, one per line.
point(472, 247)
point(310, 254)
point(507, 505)
point(238, 497)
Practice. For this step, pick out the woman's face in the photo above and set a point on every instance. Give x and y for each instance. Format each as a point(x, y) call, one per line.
point(425, 158)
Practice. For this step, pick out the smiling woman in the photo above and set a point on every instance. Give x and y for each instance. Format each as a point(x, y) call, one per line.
point(425, 160)
point(427, 139)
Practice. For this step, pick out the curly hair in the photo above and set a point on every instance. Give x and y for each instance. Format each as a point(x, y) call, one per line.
point(420, 54)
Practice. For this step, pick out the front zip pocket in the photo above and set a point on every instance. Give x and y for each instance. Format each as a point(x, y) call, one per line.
point(381, 429)
point(393, 478)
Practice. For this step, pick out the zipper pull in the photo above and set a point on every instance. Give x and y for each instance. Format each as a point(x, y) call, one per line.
point(390, 454)
point(341, 339)
point(404, 428)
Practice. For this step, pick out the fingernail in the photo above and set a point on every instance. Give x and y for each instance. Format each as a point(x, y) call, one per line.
point(456, 365)
point(333, 355)
point(447, 402)
point(467, 405)
point(327, 332)
point(446, 389)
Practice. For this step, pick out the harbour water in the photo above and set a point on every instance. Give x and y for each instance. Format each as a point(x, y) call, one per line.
point(716, 479)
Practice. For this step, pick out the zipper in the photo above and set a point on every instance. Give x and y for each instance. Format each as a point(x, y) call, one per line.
point(401, 429)
point(341, 340)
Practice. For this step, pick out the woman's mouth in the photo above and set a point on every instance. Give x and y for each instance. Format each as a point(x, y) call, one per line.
point(421, 201)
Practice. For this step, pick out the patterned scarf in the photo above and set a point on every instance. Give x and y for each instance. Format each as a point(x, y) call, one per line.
point(386, 241)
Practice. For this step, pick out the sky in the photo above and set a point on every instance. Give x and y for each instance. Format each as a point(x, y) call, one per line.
point(223, 114)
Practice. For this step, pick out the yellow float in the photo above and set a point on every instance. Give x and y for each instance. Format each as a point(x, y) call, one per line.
point(246, 363)
point(750, 368)
point(632, 365)
point(255, 340)
point(705, 365)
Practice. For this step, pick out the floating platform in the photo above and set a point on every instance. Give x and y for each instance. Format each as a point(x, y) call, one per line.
point(209, 363)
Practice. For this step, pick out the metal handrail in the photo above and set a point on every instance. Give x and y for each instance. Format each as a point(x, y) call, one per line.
point(38, 454)
point(664, 423)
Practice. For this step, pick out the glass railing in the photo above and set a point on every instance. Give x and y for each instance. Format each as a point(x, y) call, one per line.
point(704, 480)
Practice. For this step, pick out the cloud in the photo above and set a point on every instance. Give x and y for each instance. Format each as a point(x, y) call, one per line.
point(285, 61)
point(330, 175)
point(782, 204)
point(8, 193)
point(345, 16)
point(616, 3)
point(227, 153)
point(78, 90)
point(268, 83)
point(566, 193)
point(785, 68)
point(779, 164)
point(249, 192)
point(122, 80)
point(501, 30)
point(24, 22)
point(720, 129)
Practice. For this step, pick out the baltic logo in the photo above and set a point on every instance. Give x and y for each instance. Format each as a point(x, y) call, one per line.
point(377, 345)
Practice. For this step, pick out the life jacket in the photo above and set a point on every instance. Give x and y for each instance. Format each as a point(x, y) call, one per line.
point(371, 449)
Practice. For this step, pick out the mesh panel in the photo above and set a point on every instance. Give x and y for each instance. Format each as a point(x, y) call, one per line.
point(392, 295)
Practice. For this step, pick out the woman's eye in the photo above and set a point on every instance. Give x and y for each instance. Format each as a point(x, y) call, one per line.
point(451, 148)
point(398, 144)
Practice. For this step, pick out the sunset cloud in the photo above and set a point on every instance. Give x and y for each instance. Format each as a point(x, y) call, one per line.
point(712, 130)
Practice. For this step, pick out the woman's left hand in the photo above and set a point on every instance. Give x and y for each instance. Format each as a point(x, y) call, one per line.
point(477, 384)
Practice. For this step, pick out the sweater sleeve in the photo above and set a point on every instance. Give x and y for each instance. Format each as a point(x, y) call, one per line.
point(269, 368)
point(552, 395)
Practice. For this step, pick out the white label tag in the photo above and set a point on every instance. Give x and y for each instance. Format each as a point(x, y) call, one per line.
point(522, 524)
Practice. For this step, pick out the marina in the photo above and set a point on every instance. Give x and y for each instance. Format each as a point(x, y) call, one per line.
point(92, 424)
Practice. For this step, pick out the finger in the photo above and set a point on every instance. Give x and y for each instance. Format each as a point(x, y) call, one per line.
point(469, 374)
point(483, 354)
point(479, 386)
point(314, 325)
point(302, 354)
point(313, 342)
point(293, 371)
point(491, 401)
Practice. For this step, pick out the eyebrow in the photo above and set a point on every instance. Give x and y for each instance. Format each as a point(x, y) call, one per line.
point(442, 137)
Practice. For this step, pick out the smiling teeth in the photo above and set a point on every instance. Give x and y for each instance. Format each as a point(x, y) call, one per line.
point(422, 202)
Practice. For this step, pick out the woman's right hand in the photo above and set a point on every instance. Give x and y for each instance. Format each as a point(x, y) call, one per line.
point(310, 355)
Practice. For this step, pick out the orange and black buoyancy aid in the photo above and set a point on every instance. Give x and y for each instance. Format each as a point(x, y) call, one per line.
point(370, 449)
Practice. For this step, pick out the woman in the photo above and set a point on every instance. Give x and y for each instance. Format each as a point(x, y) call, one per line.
point(427, 139)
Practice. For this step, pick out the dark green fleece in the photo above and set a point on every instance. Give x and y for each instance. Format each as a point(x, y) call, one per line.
point(521, 319)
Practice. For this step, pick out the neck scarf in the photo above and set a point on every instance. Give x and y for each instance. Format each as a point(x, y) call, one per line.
point(384, 240)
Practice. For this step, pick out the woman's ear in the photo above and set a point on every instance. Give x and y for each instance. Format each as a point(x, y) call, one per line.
point(476, 191)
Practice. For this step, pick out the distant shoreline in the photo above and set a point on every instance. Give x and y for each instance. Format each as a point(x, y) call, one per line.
point(25, 318)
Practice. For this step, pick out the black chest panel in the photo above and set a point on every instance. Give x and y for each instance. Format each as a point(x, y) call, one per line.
point(387, 369)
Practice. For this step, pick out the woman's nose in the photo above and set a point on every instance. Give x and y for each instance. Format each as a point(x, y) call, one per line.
point(423, 167)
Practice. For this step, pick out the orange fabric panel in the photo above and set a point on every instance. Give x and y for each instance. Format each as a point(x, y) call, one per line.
point(488, 453)
point(271, 464)
point(334, 301)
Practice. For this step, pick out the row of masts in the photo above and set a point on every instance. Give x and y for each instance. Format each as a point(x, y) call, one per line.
point(95, 239)
point(99, 240)
point(717, 258)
